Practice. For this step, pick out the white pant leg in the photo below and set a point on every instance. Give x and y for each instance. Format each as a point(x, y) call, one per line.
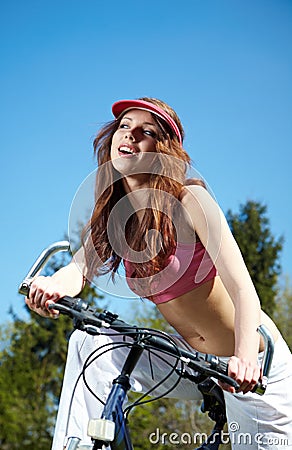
point(100, 375)
point(264, 422)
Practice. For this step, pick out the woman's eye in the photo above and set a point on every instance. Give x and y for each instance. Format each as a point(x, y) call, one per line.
point(150, 133)
point(146, 131)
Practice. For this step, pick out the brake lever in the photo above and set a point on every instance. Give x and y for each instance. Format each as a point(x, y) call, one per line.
point(66, 310)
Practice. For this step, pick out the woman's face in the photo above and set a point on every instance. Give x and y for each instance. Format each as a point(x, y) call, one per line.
point(133, 142)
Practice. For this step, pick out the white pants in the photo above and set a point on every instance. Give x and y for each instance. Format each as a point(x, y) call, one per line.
point(255, 422)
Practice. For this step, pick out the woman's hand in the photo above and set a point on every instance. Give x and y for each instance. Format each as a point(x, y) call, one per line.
point(44, 291)
point(244, 372)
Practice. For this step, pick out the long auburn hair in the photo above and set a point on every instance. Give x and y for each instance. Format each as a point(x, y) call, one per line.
point(100, 253)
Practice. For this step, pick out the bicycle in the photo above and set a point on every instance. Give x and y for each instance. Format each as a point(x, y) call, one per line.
point(111, 429)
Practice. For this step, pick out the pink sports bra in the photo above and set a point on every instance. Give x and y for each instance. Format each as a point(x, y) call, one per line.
point(188, 268)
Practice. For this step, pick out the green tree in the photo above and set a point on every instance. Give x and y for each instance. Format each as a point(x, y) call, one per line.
point(32, 365)
point(31, 373)
point(283, 311)
point(260, 250)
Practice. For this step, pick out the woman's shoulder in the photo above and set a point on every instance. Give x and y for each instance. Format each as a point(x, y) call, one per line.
point(191, 191)
point(191, 204)
point(199, 206)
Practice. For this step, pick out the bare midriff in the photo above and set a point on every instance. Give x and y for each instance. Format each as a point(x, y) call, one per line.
point(204, 317)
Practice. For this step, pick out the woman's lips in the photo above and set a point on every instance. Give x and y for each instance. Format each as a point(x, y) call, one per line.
point(127, 150)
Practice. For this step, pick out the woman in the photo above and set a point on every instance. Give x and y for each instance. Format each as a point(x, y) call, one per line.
point(178, 252)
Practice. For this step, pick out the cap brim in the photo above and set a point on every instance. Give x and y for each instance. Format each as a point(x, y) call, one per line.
point(119, 107)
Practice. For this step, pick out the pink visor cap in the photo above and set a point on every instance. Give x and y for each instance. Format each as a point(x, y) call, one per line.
point(124, 105)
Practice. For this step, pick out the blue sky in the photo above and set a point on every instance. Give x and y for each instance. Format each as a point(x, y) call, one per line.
point(224, 65)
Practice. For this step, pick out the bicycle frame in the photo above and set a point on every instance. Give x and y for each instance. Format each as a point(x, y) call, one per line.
point(111, 429)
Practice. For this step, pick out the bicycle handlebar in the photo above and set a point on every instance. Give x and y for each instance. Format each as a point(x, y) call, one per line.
point(60, 246)
point(89, 319)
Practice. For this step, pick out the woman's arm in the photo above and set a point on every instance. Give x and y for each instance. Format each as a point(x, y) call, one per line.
point(69, 280)
point(208, 221)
